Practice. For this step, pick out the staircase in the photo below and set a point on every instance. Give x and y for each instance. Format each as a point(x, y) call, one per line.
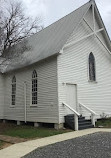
point(82, 122)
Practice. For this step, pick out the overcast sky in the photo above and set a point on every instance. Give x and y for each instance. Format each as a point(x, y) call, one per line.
point(52, 10)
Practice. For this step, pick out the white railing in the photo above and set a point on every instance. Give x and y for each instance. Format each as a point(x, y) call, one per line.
point(93, 114)
point(76, 115)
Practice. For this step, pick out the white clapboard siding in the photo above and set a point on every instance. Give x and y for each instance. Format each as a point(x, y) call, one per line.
point(47, 107)
point(1, 97)
point(98, 24)
point(73, 68)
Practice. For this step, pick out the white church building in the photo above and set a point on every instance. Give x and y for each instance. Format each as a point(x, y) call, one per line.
point(66, 71)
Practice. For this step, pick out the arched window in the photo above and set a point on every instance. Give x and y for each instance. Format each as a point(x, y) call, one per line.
point(92, 73)
point(13, 90)
point(34, 87)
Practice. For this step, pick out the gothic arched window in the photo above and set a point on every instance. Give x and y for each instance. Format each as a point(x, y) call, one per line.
point(34, 87)
point(92, 72)
point(13, 90)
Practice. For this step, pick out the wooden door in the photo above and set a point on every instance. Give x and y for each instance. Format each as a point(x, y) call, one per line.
point(71, 96)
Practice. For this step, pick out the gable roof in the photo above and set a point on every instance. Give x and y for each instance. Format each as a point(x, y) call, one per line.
point(104, 33)
point(47, 42)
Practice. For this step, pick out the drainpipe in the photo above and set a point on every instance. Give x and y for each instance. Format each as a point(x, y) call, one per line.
point(25, 107)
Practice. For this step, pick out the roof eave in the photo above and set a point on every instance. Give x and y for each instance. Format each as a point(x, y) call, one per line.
point(21, 66)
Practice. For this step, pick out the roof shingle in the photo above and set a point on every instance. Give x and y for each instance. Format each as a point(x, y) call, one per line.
point(48, 41)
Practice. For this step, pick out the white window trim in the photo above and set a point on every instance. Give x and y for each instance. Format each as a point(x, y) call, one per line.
point(90, 81)
point(12, 106)
point(32, 105)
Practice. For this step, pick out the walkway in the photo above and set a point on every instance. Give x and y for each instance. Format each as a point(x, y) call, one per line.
point(21, 149)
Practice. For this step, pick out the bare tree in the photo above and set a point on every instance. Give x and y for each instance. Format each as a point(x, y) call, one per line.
point(14, 25)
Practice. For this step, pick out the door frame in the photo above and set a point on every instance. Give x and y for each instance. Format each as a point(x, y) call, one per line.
point(76, 86)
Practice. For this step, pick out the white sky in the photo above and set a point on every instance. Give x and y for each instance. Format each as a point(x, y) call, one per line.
point(52, 10)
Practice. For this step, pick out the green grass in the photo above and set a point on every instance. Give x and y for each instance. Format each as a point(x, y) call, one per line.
point(104, 122)
point(1, 144)
point(31, 132)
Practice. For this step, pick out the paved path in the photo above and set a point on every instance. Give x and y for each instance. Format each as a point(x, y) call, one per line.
point(97, 145)
point(21, 149)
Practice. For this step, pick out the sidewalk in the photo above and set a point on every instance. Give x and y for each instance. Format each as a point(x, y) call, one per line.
point(21, 149)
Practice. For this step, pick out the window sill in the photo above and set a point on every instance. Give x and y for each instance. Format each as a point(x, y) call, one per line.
point(12, 106)
point(33, 105)
point(92, 81)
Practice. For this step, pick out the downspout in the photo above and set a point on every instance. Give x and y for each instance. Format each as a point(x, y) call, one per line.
point(25, 104)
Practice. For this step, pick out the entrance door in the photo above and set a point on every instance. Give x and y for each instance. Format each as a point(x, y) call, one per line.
point(71, 97)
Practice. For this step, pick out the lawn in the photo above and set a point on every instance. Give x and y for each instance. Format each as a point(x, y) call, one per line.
point(31, 132)
point(25, 131)
point(106, 122)
point(1, 143)
point(4, 144)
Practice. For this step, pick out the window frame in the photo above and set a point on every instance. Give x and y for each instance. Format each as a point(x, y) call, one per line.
point(13, 91)
point(34, 81)
point(89, 80)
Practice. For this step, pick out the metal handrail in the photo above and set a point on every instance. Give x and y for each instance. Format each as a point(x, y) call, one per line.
point(91, 111)
point(75, 112)
point(76, 115)
point(88, 109)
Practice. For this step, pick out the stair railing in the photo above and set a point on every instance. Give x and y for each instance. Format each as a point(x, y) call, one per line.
point(76, 115)
point(93, 114)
